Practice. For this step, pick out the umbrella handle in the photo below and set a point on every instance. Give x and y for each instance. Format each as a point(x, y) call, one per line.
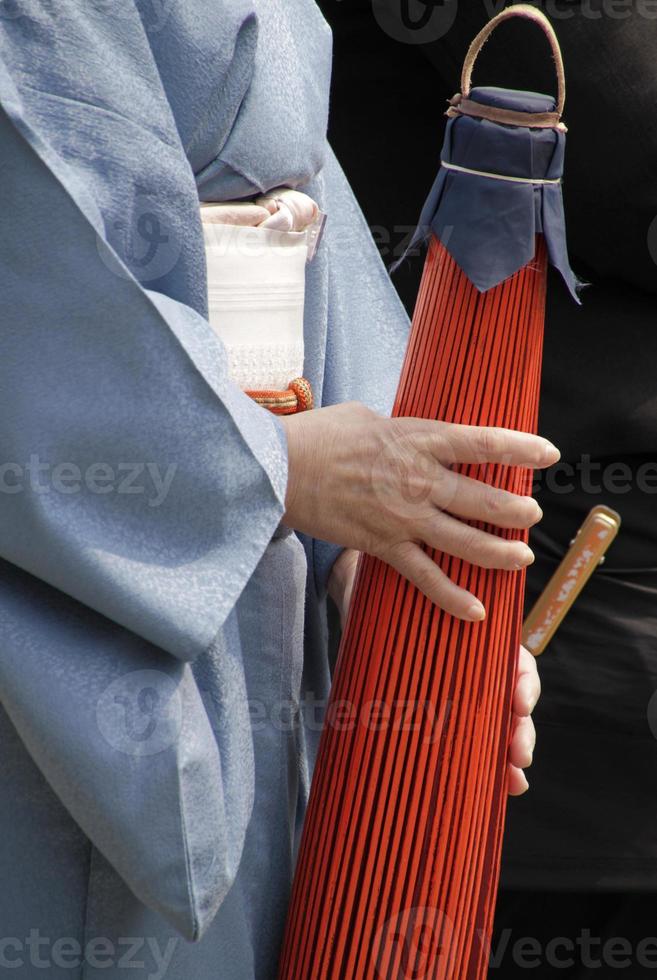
point(531, 13)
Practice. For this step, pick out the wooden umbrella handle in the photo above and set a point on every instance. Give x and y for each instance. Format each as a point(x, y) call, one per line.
point(586, 552)
point(530, 13)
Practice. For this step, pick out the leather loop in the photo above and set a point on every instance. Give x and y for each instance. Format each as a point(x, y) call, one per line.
point(509, 117)
point(529, 13)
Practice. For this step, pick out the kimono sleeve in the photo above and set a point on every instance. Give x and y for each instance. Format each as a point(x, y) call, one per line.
point(135, 477)
point(138, 490)
point(156, 771)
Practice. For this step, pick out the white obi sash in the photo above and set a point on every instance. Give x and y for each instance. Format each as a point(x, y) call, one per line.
point(256, 257)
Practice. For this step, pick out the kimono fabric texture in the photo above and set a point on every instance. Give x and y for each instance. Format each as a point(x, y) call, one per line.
point(163, 667)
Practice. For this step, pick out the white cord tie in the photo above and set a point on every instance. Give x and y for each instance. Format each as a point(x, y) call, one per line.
point(483, 173)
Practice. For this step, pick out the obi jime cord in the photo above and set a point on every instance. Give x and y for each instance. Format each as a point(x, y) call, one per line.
point(399, 859)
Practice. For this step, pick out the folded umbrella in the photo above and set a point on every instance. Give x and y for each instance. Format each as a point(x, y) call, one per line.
point(399, 859)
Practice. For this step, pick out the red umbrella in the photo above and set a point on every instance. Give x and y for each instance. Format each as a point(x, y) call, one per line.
point(399, 859)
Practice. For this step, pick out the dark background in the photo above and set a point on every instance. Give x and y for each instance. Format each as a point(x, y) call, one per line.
point(386, 127)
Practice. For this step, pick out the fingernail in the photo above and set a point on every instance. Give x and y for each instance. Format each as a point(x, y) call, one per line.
point(476, 612)
point(537, 509)
point(527, 557)
point(550, 453)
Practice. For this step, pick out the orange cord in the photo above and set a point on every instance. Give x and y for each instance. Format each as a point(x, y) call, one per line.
point(297, 397)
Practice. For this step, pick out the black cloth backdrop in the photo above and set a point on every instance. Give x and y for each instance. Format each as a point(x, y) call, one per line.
point(589, 821)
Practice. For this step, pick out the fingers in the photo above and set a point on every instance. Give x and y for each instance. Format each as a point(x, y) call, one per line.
point(414, 564)
point(487, 444)
point(523, 742)
point(528, 684)
point(477, 501)
point(448, 534)
point(516, 781)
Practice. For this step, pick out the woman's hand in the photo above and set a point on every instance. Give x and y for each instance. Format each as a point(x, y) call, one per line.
point(386, 487)
point(521, 750)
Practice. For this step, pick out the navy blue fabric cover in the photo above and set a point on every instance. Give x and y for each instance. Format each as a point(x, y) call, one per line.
point(487, 225)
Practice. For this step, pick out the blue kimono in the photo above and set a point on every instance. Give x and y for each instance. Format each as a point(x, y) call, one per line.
point(163, 652)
